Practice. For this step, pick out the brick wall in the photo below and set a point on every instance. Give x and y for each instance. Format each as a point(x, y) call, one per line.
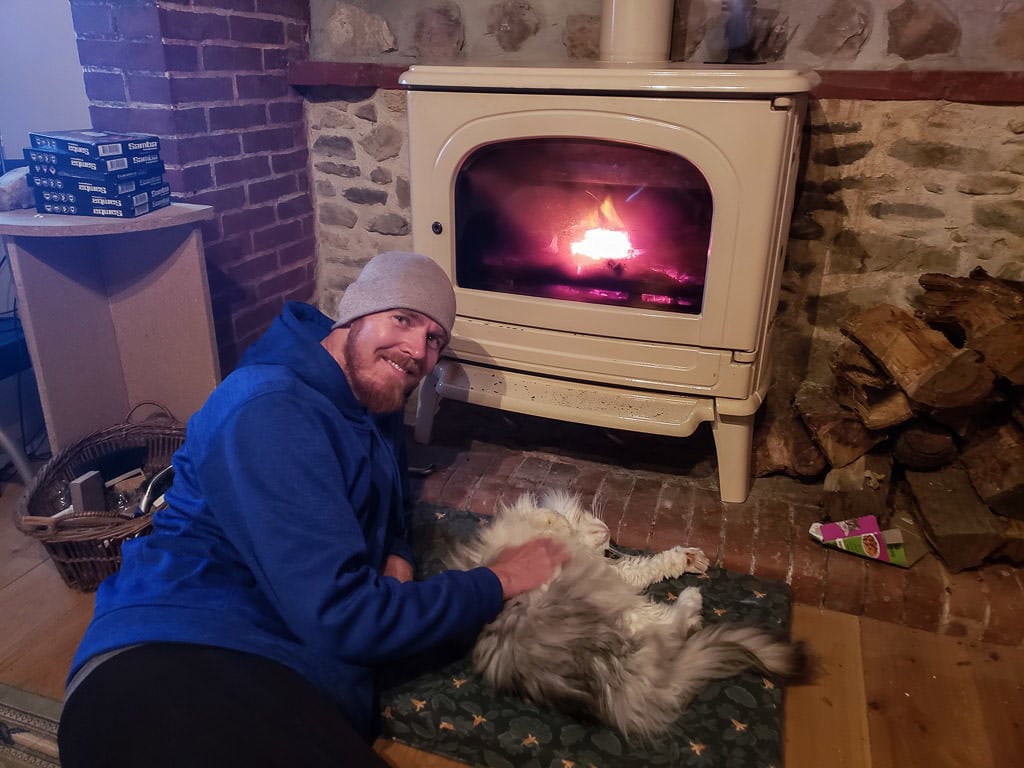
point(209, 78)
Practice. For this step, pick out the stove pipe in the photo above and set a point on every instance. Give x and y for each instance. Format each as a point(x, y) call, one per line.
point(636, 31)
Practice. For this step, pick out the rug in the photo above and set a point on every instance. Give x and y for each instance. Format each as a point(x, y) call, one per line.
point(28, 729)
point(449, 711)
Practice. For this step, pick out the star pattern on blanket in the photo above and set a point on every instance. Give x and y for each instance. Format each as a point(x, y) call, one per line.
point(768, 684)
point(386, 714)
point(671, 597)
point(697, 747)
point(446, 726)
point(419, 704)
point(720, 611)
point(760, 595)
point(458, 682)
point(740, 727)
point(530, 741)
point(478, 720)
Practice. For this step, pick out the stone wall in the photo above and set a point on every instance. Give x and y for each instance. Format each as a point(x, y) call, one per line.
point(888, 190)
point(832, 34)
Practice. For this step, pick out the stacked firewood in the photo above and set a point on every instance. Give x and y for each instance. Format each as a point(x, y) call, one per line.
point(942, 391)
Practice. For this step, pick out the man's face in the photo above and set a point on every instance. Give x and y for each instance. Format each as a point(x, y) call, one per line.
point(388, 353)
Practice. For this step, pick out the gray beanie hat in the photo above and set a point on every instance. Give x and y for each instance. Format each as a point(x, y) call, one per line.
point(399, 279)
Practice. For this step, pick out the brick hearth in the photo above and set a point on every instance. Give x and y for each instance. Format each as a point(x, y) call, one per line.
point(657, 492)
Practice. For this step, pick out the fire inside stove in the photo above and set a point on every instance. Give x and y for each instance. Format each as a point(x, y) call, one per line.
point(584, 220)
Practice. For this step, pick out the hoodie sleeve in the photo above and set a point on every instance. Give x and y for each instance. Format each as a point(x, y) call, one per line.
point(279, 476)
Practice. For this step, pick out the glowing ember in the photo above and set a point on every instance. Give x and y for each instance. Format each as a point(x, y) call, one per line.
point(604, 245)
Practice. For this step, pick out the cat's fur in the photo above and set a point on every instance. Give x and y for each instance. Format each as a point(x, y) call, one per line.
point(590, 642)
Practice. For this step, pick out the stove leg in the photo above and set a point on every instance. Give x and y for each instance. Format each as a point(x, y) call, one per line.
point(733, 440)
point(426, 407)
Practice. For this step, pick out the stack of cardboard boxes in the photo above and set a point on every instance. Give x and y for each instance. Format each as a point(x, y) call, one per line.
point(96, 173)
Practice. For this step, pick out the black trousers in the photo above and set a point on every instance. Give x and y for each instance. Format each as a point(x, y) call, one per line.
point(184, 706)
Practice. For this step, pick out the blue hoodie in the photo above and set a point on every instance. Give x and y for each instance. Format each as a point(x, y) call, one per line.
point(287, 499)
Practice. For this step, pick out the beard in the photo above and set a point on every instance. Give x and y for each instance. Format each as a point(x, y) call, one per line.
point(378, 394)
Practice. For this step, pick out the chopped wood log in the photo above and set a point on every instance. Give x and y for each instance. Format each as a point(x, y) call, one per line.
point(995, 464)
point(1012, 548)
point(922, 361)
point(987, 311)
point(840, 435)
point(924, 446)
point(860, 488)
point(866, 390)
point(960, 527)
point(782, 443)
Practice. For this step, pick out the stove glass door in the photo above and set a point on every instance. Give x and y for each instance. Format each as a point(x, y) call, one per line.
point(584, 220)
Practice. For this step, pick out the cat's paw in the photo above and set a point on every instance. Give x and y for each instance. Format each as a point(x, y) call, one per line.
point(688, 608)
point(688, 560)
point(696, 560)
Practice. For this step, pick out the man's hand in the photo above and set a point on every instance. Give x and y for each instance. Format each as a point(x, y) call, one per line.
point(528, 566)
point(397, 568)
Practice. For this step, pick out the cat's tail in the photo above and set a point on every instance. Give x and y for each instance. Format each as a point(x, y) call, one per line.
point(653, 692)
point(726, 649)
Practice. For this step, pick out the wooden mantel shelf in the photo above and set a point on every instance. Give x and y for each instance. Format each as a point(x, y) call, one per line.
point(982, 87)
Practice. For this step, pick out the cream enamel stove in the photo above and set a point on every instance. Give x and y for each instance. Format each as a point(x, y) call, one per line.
point(615, 234)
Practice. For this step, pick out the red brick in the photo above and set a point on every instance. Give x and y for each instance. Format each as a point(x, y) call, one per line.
point(969, 600)
point(193, 178)
point(1006, 598)
point(844, 582)
point(190, 88)
point(234, 58)
point(147, 56)
point(773, 542)
point(433, 485)
point(104, 86)
point(261, 86)
point(302, 250)
point(236, 116)
point(181, 57)
point(289, 161)
point(707, 524)
point(883, 592)
point(611, 499)
point(925, 594)
point(256, 318)
point(561, 475)
point(136, 22)
point(92, 20)
point(641, 509)
point(280, 186)
point(671, 524)
point(241, 169)
point(191, 25)
point(270, 139)
point(587, 483)
point(810, 559)
point(281, 234)
point(293, 9)
point(248, 30)
point(738, 531)
point(487, 495)
point(196, 148)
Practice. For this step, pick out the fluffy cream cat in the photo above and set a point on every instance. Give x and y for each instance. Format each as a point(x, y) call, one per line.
point(590, 642)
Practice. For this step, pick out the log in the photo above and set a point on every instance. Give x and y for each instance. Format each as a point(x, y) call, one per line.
point(1012, 548)
point(987, 311)
point(782, 443)
point(840, 435)
point(866, 390)
point(860, 488)
point(924, 446)
point(995, 464)
point(959, 526)
point(926, 366)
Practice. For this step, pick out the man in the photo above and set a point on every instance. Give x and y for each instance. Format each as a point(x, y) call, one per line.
point(245, 629)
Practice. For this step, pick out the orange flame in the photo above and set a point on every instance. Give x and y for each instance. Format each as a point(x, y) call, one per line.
point(605, 238)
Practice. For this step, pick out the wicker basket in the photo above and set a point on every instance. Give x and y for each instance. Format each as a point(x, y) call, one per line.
point(86, 547)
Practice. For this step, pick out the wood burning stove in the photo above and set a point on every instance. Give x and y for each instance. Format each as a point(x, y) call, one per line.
point(615, 233)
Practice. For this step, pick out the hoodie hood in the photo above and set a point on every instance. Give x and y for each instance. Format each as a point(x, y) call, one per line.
point(293, 340)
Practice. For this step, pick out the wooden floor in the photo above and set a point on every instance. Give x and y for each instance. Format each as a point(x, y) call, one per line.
point(884, 696)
